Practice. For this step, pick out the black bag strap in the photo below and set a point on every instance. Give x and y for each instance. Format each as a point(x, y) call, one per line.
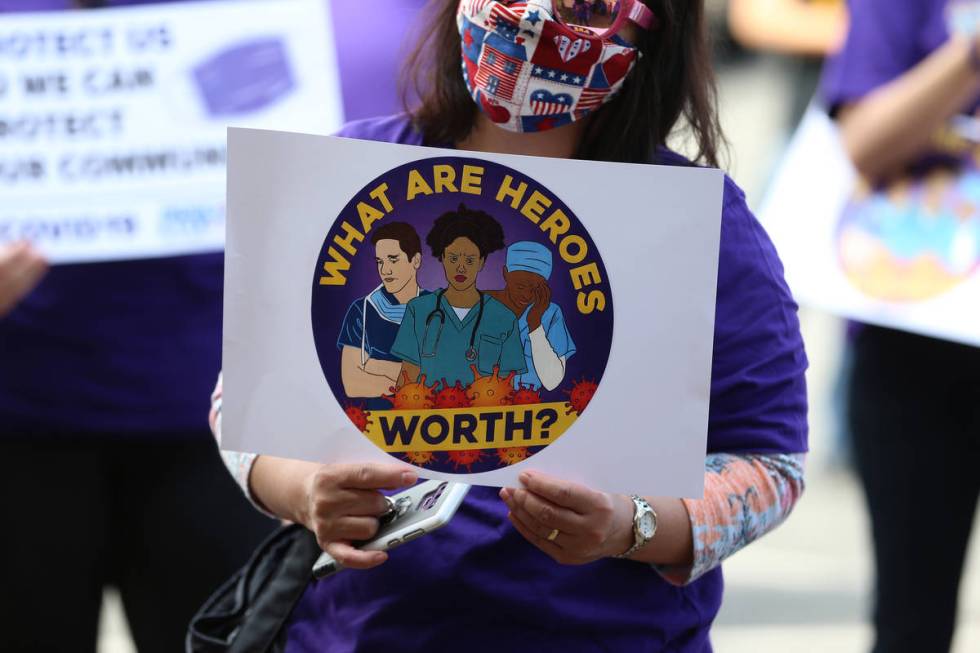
point(248, 611)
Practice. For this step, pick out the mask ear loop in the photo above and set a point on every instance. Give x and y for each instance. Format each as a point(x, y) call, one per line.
point(642, 15)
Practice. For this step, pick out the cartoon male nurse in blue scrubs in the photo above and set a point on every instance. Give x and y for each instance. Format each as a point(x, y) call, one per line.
point(547, 343)
point(367, 367)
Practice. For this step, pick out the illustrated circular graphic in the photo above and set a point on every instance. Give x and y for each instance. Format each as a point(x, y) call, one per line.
point(915, 240)
point(461, 314)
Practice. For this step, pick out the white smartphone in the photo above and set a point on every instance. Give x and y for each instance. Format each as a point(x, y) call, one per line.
point(416, 511)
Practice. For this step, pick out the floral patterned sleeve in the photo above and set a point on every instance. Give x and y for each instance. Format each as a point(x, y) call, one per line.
point(745, 497)
point(239, 464)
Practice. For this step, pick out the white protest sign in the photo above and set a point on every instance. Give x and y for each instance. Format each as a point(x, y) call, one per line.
point(113, 121)
point(907, 257)
point(589, 359)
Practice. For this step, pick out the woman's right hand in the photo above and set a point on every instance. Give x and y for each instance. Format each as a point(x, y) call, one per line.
point(21, 269)
point(342, 505)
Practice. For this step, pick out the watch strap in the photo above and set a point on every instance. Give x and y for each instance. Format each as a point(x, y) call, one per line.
point(640, 507)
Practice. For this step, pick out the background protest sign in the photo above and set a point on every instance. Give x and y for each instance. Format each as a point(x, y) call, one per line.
point(907, 256)
point(624, 257)
point(113, 122)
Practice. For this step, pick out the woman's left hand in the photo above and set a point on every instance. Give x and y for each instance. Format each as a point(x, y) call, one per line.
point(590, 525)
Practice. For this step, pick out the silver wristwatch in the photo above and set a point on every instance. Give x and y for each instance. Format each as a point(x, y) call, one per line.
point(644, 525)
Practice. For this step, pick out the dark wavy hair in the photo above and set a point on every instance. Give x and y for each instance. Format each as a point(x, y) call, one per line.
point(478, 226)
point(672, 86)
point(408, 239)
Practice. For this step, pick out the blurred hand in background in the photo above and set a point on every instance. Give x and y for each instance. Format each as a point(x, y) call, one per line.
point(21, 269)
point(793, 27)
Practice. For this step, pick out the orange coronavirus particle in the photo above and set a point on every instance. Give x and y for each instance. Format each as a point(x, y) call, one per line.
point(512, 455)
point(411, 396)
point(526, 395)
point(451, 396)
point(358, 416)
point(420, 458)
point(580, 395)
point(486, 391)
point(465, 458)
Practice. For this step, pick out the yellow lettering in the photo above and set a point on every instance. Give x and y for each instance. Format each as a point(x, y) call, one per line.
point(534, 207)
point(380, 193)
point(586, 275)
point(515, 194)
point(417, 185)
point(335, 269)
point(461, 429)
point(347, 241)
point(556, 224)
point(581, 249)
point(444, 177)
point(369, 215)
point(593, 300)
point(472, 180)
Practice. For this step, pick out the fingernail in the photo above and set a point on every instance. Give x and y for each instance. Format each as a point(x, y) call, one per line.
point(505, 494)
point(409, 478)
point(524, 478)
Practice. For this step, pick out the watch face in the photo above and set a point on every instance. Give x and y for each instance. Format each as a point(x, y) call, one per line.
point(647, 525)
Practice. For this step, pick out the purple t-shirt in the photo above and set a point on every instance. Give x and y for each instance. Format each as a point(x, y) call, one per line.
point(135, 346)
point(885, 39)
point(477, 585)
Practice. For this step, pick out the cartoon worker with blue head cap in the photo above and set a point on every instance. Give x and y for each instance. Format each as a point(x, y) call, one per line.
point(547, 343)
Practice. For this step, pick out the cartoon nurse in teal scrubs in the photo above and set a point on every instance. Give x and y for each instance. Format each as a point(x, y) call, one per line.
point(445, 333)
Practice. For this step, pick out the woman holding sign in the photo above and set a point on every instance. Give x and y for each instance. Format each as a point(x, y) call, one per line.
point(906, 72)
point(553, 564)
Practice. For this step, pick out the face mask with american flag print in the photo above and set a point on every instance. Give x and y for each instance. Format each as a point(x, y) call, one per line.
point(528, 72)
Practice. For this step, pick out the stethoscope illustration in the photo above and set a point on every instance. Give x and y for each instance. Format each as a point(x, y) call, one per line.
point(437, 312)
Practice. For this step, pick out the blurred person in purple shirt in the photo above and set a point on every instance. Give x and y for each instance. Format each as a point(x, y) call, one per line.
point(906, 69)
point(104, 372)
